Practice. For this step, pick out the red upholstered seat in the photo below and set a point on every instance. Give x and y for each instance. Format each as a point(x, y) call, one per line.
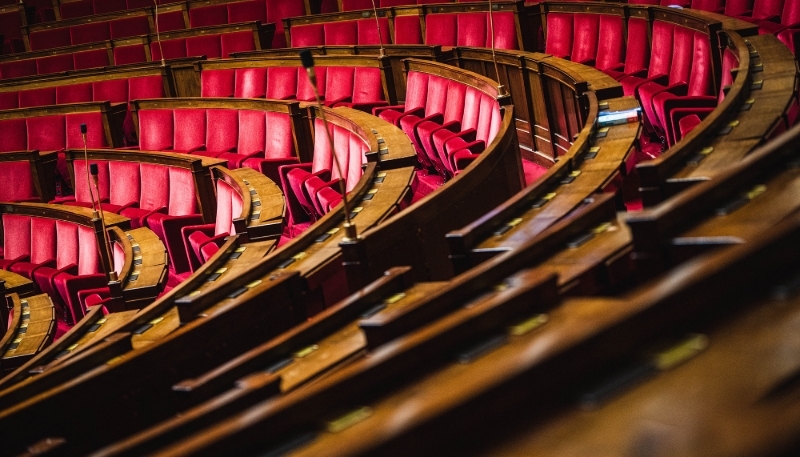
point(62, 258)
point(250, 82)
point(202, 241)
point(90, 33)
point(208, 15)
point(18, 69)
point(637, 51)
point(217, 83)
point(18, 184)
point(90, 59)
point(16, 240)
point(407, 30)
point(277, 10)
point(307, 35)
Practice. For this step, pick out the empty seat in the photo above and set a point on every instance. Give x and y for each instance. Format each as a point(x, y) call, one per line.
point(203, 241)
point(303, 184)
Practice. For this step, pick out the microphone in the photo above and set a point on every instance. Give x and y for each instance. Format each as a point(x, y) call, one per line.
point(308, 63)
point(94, 171)
point(378, 25)
point(501, 90)
point(158, 36)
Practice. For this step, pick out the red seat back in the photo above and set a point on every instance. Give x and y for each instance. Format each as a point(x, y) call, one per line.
point(17, 181)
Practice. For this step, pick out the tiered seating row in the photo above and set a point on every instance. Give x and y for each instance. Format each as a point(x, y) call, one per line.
point(358, 82)
point(259, 134)
point(60, 249)
point(449, 24)
point(163, 192)
point(211, 42)
point(27, 176)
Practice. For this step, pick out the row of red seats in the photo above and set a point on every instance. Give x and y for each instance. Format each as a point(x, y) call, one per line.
point(118, 90)
point(175, 45)
point(58, 36)
point(312, 189)
point(262, 140)
point(53, 132)
point(82, 8)
point(160, 197)
point(448, 122)
point(778, 17)
point(354, 87)
point(62, 257)
point(446, 29)
point(202, 241)
point(657, 66)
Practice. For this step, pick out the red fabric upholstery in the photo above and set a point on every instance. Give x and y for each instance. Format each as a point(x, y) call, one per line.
point(48, 39)
point(16, 239)
point(307, 35)
point(407, 30)
point(54, 64)
point(250, 82)
point(90, 59)
point(17, 182)
point(129, 54)
point(18, 68)
point(277, 10)
point(584, 45)
point(37, 97)
point(91, 32)
point(715, 6)
point(209, 15)
point(217, 83)
point(280, 82)
point(15, 135)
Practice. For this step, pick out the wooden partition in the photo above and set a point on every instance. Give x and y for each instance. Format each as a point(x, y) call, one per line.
point(550, 354)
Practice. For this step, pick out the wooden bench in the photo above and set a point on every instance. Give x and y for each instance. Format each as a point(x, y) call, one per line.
point(545, 355)
point(31, 329)
point(306, 263)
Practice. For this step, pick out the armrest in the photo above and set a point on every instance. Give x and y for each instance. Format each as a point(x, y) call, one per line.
point(589, 62)
point(468, 136)
point(367, 107)
point(269, 167)
point(8, 263)
point(462, 159)
point(377, 110)
point(68, 287)
point(171, 229)
point(60, 200)
point(331, 103)
point(200, 147)
point(190, 232)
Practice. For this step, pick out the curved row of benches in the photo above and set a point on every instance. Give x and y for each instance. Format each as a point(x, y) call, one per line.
point(583, 247)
